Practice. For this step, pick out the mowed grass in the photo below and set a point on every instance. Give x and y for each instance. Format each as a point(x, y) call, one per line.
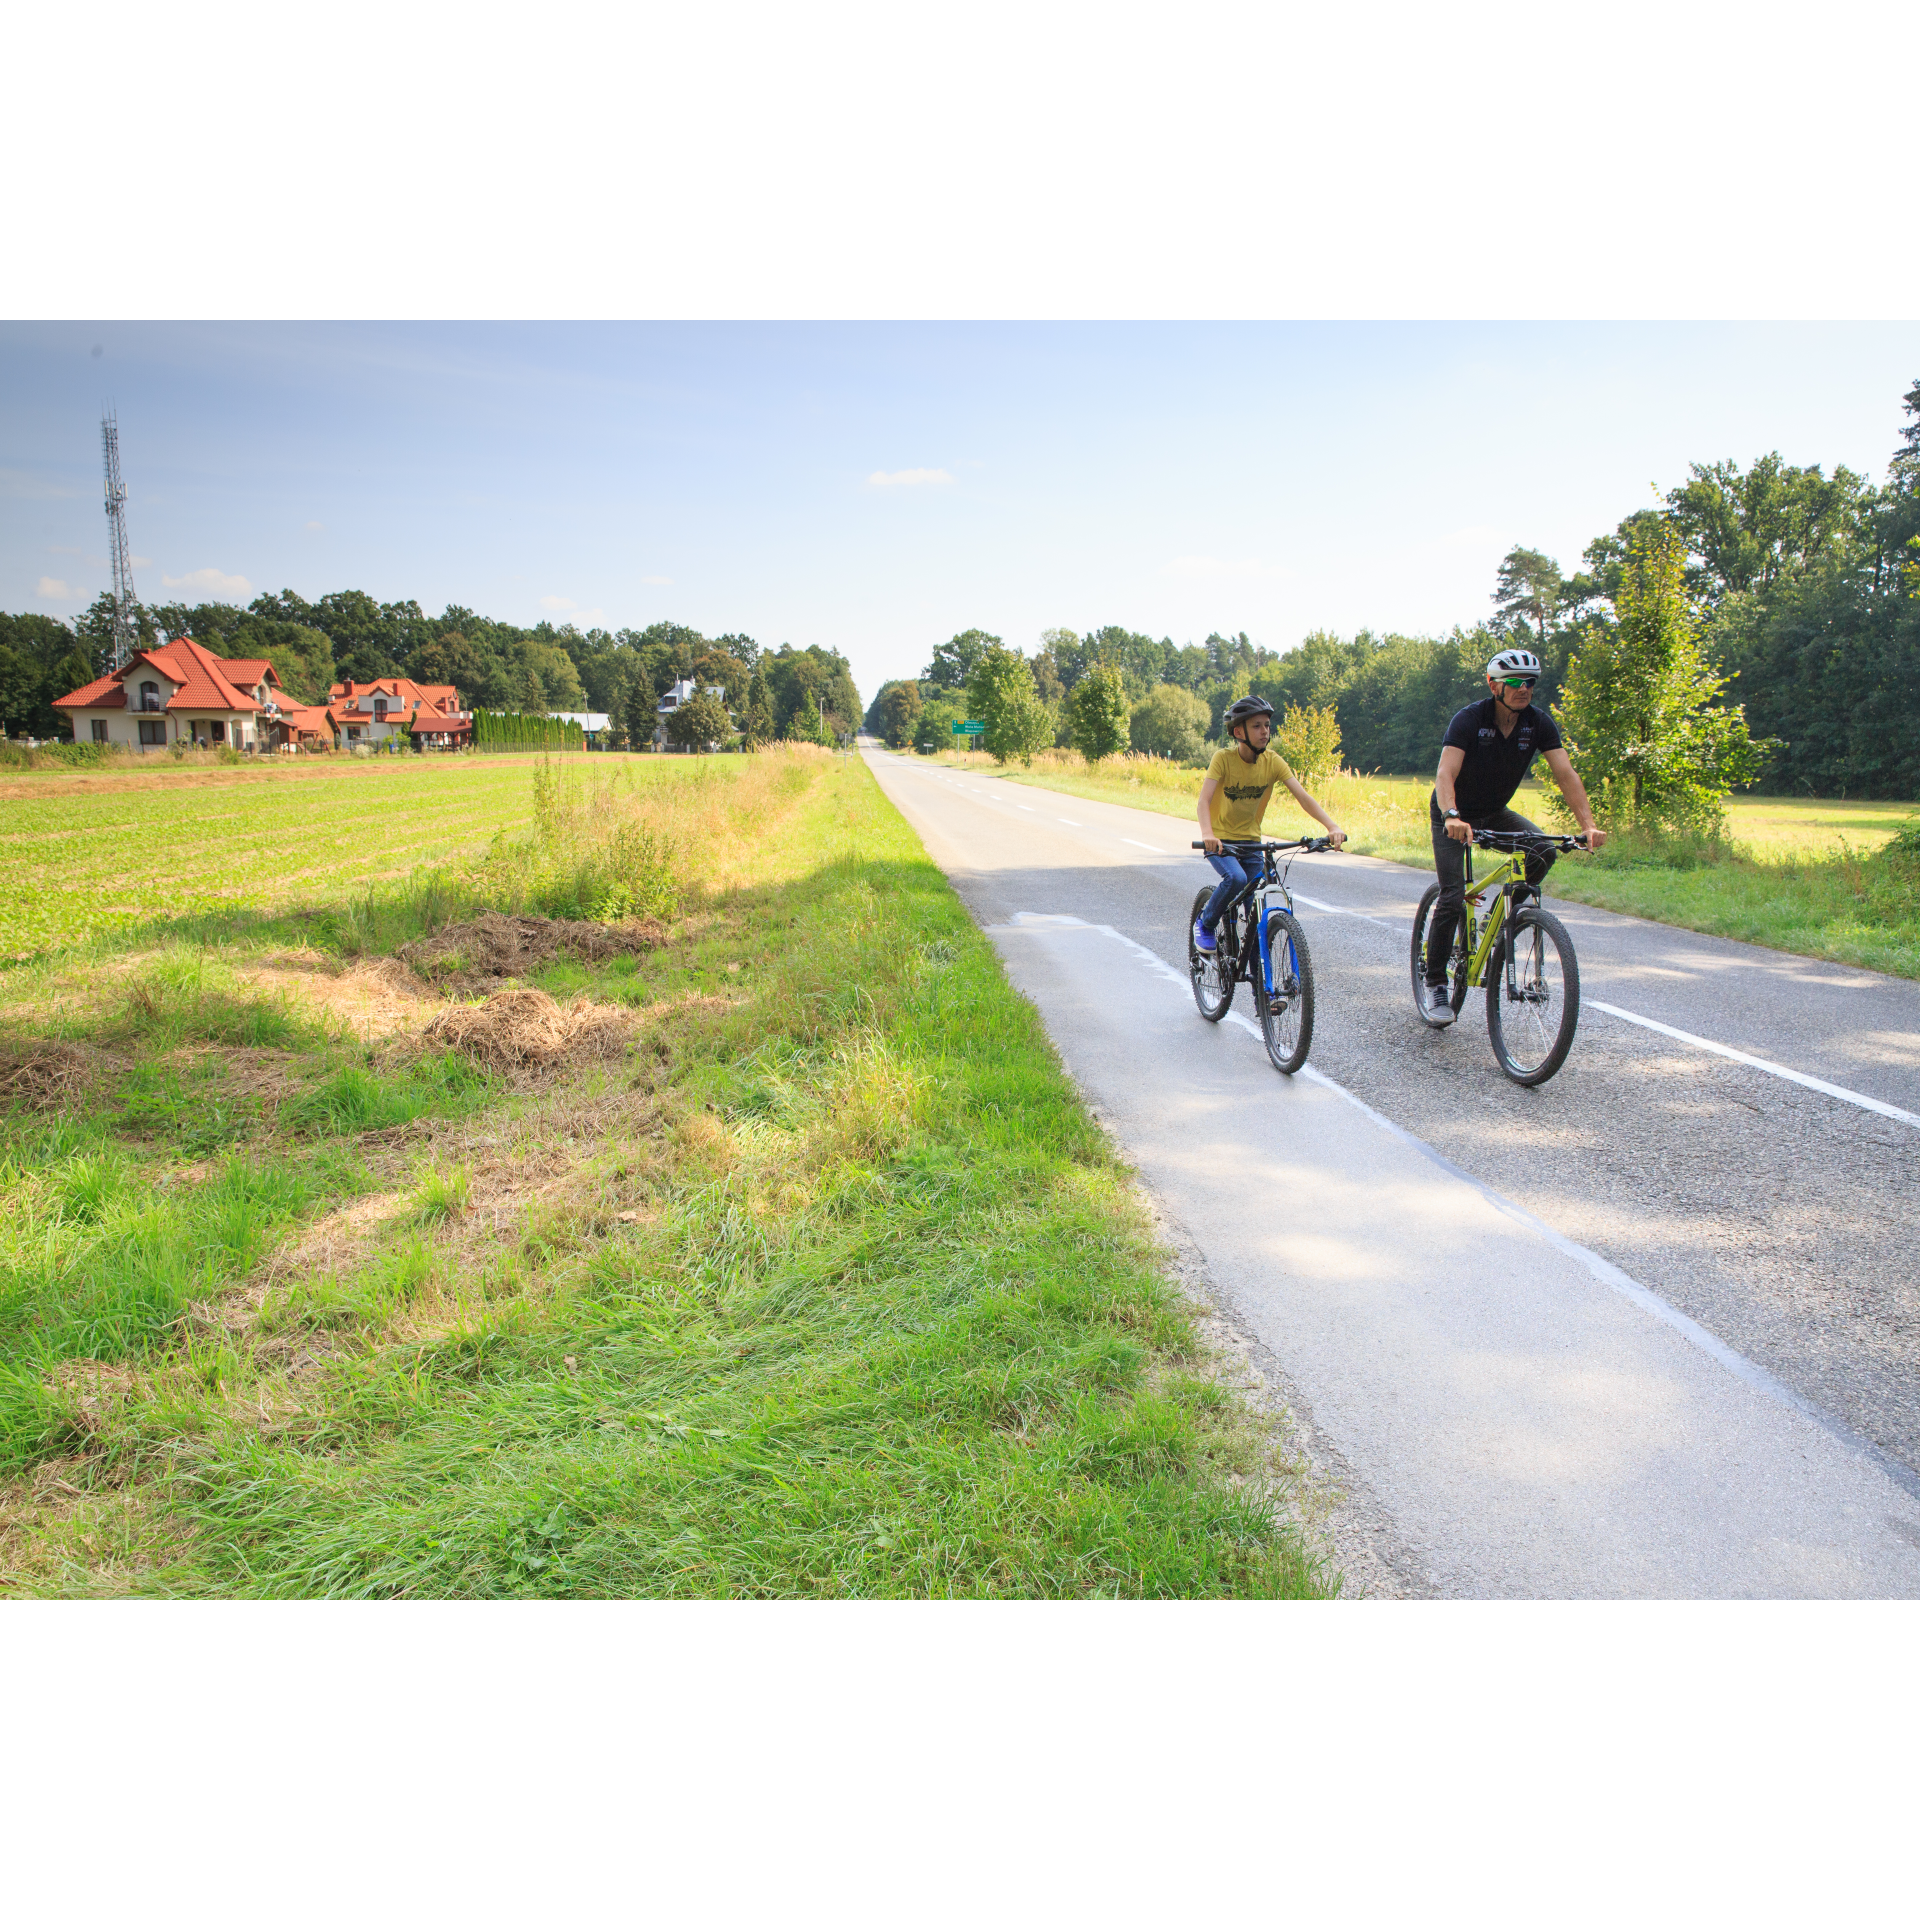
point(88, 852)
point(1823, 878)
point(828, 1286)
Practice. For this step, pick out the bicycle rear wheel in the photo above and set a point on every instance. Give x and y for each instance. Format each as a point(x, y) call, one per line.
point(1456, 966)
point(1211, 973)
point(1533, 997)
point(1286, 1009)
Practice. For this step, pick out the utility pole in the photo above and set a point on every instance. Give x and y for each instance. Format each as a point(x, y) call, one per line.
point(124, 597)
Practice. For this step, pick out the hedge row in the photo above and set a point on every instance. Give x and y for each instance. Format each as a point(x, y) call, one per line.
point(509, 732)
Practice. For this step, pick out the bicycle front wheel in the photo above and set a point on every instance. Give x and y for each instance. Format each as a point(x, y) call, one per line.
point(1211, 973)
point(1283, 985)
point(1533, 997)
point(1457, 963)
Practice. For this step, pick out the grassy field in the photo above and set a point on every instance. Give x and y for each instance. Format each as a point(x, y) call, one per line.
point(755, 1245)
point(87, 852)
point(1827, 878)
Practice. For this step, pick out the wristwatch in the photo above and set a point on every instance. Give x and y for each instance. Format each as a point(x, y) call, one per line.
point(1452, 813)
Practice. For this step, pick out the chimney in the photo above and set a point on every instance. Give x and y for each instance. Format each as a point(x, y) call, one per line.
point(349, 693)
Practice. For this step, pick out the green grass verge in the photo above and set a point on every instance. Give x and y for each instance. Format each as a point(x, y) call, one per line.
point(831, 1287)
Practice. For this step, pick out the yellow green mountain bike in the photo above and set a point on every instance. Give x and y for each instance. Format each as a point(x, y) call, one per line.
point(1517, 950)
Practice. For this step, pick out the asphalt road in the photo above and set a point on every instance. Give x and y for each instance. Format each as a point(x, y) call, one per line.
point(1651, 1329)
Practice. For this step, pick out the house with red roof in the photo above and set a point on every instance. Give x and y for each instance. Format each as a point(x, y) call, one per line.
point(368, 712)
point(178, 694)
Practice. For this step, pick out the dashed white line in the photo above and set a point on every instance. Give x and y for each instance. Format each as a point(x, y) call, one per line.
point(1064, 821)
point(1125, 842)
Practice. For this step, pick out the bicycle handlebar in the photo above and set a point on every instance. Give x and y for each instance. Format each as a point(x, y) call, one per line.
point(1270, 846)
point(1504, 842)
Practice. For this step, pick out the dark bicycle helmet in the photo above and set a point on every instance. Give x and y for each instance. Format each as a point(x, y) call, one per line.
point(1248, 707)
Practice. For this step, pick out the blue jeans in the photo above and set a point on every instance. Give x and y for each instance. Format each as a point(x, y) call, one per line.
point(1236, 875)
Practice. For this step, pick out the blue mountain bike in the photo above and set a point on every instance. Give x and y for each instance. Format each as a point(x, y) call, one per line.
point(1259, 941)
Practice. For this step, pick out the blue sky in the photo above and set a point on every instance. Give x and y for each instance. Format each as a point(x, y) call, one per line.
point(878, 486)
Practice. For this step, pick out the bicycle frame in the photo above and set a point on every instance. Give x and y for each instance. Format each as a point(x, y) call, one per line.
point(1508, 874)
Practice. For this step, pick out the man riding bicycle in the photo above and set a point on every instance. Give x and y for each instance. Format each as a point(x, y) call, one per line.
point(1233, 799)
point(1486, 754)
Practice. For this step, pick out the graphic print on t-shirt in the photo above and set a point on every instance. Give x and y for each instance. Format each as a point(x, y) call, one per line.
point(1242, 789)
point(1491, 773)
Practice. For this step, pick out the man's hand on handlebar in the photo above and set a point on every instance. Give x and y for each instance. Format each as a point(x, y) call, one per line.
point(1457, 829)
point(1596, 839)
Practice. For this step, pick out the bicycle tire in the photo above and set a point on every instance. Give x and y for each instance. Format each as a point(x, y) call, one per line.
point(1210, 973)
point(1286, 1018)
point(1457, 972)
point(1531, 1045)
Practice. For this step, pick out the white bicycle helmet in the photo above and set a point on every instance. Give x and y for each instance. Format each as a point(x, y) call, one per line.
point(1513, 660)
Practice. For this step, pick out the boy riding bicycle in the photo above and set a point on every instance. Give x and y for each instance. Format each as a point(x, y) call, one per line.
point(1233, 801)
point(1486, 754)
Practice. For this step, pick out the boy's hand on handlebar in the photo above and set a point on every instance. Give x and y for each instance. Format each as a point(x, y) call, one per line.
point(1336, 838)
point(1211, 844)
point(1457, 829)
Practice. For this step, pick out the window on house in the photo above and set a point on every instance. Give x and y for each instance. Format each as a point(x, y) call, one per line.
point(100, 731)
point(149, 697)
point(379, 709)
point(153, 733)
point(219, 729)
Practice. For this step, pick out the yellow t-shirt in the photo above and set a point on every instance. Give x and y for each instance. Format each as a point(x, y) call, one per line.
point(1242, 795)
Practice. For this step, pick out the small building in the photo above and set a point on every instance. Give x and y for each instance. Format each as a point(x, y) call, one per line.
point(593, 725)
point(179, 694)
point(677, 696)
point(371, 712)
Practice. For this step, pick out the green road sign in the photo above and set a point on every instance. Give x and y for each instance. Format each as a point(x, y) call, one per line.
point(969, 726)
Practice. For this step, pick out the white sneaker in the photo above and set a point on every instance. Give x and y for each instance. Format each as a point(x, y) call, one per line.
point(1439, 1004)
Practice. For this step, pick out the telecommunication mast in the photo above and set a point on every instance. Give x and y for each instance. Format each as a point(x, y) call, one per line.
point(124, 597)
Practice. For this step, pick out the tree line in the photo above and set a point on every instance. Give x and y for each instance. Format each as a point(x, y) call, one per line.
point(498, 667)
point(1798, 591)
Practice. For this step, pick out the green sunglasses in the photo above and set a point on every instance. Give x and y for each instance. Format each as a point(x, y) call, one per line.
point(1518, 679)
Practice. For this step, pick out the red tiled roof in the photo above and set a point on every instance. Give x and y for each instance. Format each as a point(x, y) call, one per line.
point(201, 681)
point(105, 692)
point(299, 719)
point(250, 673)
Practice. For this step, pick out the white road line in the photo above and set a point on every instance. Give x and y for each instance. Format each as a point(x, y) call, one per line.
point(1125, 842)
point(1352, 913)
point(1807, 1080)
point(1023, 809)
point(1765, 1066)
point(1064, 821)
point(1596, 1264)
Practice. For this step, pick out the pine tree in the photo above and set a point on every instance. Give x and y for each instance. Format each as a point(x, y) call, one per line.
point(759, 714)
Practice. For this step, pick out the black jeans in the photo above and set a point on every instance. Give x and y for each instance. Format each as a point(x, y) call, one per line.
point(1450, 863)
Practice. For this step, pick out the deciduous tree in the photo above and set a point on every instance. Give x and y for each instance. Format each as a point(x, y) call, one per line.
point(1098, 714)
point(1641, 705)
point(1000, 692)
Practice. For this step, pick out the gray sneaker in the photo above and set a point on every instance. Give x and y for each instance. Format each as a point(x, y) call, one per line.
point(1438, 1004)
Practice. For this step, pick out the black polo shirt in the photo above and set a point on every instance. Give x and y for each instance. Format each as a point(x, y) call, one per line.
point(1490, 775)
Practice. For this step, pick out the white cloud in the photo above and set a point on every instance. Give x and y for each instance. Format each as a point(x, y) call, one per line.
point(138, 559)
point(211, 582)
point(80, 553)
point(315, 526)
point(557, 603)
point(52, 589)
point(912, 477)
point(655, 580)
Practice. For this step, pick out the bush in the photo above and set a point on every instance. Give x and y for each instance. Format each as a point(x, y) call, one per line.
point(1171, 724)
point(1308, 740)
